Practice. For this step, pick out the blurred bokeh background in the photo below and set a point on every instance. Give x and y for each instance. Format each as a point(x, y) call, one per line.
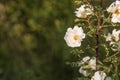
point(31, 39)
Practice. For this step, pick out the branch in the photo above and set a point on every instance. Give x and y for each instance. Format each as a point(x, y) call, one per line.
point(97, 38)
point(111, 56)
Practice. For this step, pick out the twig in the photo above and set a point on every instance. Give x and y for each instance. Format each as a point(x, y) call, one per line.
point(106, 19)
point(88, 2)
point(111, 56)
point(97, 38)
point(88, 21)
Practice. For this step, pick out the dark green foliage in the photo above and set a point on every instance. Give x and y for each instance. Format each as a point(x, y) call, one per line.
point(31, 39)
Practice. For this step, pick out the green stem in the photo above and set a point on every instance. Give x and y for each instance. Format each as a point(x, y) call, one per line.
point(111, 56)
point(116, 72)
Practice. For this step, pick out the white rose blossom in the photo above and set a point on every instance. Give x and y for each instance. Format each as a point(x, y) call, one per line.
point(92, 63)
point(83, 11)
point(114, 8)
point(73, 37)
point(84, 72)
point(85, 59)
point(99, 75)
point(114, 36)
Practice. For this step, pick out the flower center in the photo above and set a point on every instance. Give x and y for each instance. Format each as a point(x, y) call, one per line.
point(114, 38)
point(117, 11)
point(84, 15)
point(75, 37)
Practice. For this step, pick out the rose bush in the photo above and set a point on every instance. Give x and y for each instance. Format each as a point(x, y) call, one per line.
point(97, 49)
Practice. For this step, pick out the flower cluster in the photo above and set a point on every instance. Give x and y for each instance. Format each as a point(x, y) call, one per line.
point(88, 63)
point(74, 37)
point(114, 39)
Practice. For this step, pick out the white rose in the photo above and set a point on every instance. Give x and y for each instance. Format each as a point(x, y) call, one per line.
point(114, 36)
point(99, 75)
point(109, 37)
point(84, 72)
point(114, 8)
point(73, 37)
point(83, 11)
point(92, 63)
point(85, 59)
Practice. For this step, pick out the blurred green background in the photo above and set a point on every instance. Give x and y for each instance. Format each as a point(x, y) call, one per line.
point(31, 39)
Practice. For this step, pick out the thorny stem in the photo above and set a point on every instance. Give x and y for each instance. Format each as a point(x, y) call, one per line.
point(99, 26)
point(97, 38)
point(97, 50)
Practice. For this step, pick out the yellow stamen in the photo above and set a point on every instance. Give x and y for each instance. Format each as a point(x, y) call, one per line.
point(75, 37)
point(117, 11)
